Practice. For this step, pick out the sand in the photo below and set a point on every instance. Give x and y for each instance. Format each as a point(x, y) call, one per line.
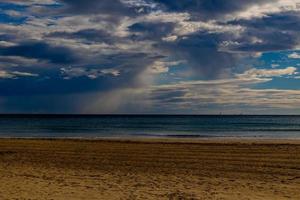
point(149, 169)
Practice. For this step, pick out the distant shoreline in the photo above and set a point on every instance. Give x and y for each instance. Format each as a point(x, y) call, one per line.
point(144, 115)
point(213, 140)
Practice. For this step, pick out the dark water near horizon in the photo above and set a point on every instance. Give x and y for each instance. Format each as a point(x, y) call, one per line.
point(181, 126)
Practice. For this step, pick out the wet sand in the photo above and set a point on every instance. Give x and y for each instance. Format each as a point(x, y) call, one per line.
point(149, 169)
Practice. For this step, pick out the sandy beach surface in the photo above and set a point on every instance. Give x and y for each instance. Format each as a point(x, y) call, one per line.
point(149, 169)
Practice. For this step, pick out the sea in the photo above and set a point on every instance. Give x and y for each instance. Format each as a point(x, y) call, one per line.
point(150, 126)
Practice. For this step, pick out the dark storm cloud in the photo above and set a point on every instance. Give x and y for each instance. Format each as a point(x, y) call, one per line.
point(274, 32)
point(200, 49)
point(88, 35)
point(280, 21)
point(7, 37)
point(41, 51)
point(115, 9)
point(133, 43)
point(53, 85)
point(270, 41)
point(207, 9)
point(201, 52)
point(129, 65)
point(151, 30)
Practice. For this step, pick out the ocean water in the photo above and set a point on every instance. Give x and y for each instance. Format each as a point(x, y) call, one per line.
point(181, 126)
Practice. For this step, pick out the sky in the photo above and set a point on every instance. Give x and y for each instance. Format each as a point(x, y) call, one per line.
point(150, 56)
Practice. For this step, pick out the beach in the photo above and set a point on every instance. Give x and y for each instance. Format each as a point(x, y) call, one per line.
point(149, 169)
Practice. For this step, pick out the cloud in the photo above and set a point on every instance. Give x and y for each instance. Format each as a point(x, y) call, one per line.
point(15, 74)
point(115, 9)
point(69, 73)
point(249, 77)
point(15, 61)
point(13, 13)
point(257, 73)
point(275, 32)
point(266, 9)
point(40, 50)
point(151, 30)
point(159, 67)
point(197, 96)
point(123, 47)
point(209, 9)
point(201, 51)
point(87, 35)
point(30, 2)
point(294, 55)
point(275, 65)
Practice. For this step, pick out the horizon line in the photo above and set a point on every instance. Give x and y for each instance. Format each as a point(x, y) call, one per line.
point(136, 114)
